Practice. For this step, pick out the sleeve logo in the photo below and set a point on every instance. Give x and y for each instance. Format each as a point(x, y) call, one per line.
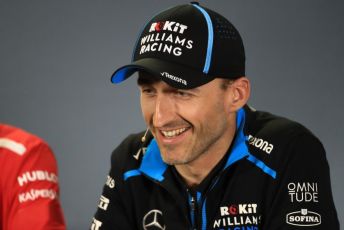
point(110, 182)
point(37, 175)
point(303, 192)
point(303, 218)
point(103, 203)
point(96, 224)
point(34, 194)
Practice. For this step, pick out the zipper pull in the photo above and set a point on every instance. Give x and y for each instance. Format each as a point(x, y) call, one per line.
point(192, 203)
point(193, 211)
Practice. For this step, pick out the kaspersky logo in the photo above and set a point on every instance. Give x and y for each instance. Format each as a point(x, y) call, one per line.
point(168, 26)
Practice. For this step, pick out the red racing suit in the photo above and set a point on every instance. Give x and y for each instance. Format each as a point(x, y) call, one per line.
point(29, 186)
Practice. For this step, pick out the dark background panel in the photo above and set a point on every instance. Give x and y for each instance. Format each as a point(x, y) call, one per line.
point(56, 58)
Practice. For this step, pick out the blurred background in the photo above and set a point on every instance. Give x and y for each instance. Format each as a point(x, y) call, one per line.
point(56, 58)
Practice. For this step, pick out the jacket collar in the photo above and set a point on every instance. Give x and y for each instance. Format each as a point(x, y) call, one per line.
point(153, 166)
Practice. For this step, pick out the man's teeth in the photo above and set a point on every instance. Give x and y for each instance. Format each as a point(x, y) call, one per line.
point(173, 133)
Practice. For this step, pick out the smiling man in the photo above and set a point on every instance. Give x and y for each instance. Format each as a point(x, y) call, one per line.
point(192, 127)
point(207, 160)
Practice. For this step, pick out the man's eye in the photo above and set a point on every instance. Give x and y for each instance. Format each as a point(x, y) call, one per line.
point(147, 91)
point(182, 93)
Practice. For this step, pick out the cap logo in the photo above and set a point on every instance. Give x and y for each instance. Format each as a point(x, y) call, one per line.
point(168, 26)
point(174, 78)
point(165, 37)
point(187, 46)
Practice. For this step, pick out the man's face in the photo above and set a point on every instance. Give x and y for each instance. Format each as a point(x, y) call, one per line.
point(185, 123)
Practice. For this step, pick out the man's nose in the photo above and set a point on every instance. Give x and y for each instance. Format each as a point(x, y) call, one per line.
point(164, 111)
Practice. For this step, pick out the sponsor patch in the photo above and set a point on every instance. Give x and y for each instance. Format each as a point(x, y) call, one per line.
point(303, 218)
point(238, 216)
point(303, 192)
point(110, 182)
point(166, 37)
point(37, 175)
point(174, 78)
point(153, 220)
point(140, 152)
point(96, 224)
point(260, 144)
point(34, 194)
point(103, 203)
point(168, 26)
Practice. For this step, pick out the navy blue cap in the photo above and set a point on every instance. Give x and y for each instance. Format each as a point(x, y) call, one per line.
point(187, 46)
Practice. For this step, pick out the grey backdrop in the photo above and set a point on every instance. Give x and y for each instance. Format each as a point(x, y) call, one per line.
point(56, 58)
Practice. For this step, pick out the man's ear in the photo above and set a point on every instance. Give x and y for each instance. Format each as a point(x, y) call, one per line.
point(238, 93)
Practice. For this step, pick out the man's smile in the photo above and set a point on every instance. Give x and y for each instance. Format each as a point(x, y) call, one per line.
point(173, 133)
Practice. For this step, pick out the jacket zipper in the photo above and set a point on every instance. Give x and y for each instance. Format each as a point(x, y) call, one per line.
point(201, 204)
point(192, 204)
point(186, 217)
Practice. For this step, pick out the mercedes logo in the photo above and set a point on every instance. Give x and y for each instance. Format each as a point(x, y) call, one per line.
point(153, 220)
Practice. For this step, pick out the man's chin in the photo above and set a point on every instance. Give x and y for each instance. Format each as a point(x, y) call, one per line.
point(169, 159)
point(174, 160)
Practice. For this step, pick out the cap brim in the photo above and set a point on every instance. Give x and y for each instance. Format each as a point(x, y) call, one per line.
point(176, 75)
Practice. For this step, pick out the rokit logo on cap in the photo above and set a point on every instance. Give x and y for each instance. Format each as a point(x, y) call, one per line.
point(165, 37)
point(169, 26)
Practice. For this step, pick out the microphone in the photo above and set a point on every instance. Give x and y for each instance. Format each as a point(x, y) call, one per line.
point(143, 139)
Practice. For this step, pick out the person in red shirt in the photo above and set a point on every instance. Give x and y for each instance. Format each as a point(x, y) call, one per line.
point(29, 189)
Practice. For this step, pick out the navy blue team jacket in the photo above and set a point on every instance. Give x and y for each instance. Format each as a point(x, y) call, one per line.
point(274, 176)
